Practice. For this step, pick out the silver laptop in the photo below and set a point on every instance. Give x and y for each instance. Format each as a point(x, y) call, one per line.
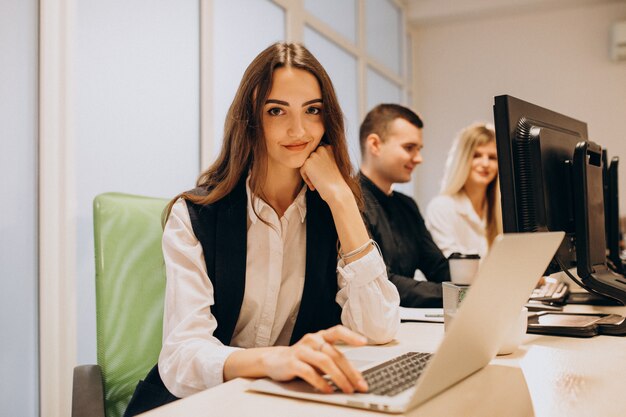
point(505, 279)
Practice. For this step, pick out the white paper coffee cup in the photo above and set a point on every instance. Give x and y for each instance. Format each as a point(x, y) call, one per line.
point(463, 268)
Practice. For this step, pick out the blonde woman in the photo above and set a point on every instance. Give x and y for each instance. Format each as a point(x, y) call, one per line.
point(466, 216)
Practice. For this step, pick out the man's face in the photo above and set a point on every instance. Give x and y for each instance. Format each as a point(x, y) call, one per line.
point(399, 152)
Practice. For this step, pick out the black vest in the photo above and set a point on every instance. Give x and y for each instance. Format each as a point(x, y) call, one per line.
point(221, 228)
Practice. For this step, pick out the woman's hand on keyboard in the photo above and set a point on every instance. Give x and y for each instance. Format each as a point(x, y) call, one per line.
point(315, 355)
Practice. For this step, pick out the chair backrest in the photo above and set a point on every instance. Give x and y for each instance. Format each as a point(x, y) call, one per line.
point(130, 286)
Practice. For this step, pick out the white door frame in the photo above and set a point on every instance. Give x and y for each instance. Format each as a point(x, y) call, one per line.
point(57, 196)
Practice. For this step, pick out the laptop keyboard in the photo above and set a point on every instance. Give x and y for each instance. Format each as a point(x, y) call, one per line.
point(396, 375)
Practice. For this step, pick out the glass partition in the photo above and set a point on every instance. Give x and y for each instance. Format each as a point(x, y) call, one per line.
point(341, 67)
point(239, 34)
point(384, 33)
point(341, 16)
point(381, 90)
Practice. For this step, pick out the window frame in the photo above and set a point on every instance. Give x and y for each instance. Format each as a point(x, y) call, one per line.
point(296, 19)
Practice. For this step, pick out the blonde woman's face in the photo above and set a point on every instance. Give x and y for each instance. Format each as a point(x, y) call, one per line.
point(484, 166)
point(292, 118)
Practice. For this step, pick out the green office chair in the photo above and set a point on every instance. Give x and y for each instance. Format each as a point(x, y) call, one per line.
point(130, 286)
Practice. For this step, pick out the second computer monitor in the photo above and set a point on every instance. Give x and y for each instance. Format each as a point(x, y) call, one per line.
point(611, 202)
point(535, 151)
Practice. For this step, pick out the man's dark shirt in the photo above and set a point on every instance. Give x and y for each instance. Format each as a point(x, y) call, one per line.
point(395, 223)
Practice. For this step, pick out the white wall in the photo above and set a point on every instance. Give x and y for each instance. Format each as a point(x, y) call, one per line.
point(18, 211)
point(136, 117)
point(555, 57)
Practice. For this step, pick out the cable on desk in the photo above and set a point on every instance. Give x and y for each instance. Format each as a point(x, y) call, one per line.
point(574, 278)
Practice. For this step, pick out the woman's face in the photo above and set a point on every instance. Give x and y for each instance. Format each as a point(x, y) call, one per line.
point(484, 166)
point(292, 118)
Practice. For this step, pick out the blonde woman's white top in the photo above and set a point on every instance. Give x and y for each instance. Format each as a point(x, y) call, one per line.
point(455, 225)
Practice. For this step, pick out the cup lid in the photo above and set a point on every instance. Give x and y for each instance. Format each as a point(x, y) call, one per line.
point(458, 255)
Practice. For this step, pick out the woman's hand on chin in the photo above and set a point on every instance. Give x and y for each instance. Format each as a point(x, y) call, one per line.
point(320, 172)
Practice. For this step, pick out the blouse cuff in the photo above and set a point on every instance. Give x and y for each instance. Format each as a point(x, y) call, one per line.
point(214, 365)
point(212, 368)
point(362, 271)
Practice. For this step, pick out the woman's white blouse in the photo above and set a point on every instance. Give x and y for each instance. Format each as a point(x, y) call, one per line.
point(192, 359)
point(455, 225)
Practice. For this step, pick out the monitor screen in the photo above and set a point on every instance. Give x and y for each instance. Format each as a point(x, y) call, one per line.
point(535, 152)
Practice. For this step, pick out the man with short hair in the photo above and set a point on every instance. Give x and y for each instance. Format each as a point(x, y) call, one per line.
point(391, 141)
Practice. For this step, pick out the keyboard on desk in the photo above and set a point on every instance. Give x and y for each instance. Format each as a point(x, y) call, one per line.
point(395, 375)
point(551, 290)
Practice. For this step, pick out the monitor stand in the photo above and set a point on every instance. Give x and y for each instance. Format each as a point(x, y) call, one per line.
point(609, 284)
point(616, 265)
point(590, 298)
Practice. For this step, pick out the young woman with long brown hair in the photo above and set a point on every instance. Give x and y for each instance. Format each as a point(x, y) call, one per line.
point(268, 258)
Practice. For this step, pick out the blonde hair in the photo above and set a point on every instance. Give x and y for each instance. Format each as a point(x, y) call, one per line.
point(459, 164)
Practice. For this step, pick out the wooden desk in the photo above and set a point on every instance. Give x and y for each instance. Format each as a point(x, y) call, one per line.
point(547, 376)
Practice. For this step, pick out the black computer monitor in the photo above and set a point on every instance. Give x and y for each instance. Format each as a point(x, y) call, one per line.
point(611, 210)
point(605, 186)
point(592, 266)
point(535, 151)
point(551, 180)
point(589, 211)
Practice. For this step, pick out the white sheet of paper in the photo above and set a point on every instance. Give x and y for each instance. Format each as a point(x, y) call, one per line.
point(430, 315)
